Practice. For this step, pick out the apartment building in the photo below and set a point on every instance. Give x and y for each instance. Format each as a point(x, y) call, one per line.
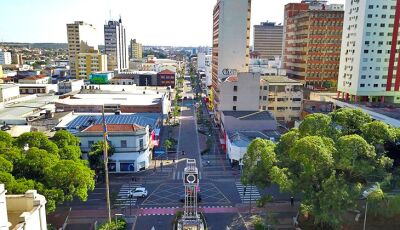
point(282, 97)
point(5, 58)
point(136, 49)
point(88, 63)
point(81, 39)
point(369, 67)
point(312, 42)
point(16, 59)
point(231, 38)
point(268, 39)
point(115, 46)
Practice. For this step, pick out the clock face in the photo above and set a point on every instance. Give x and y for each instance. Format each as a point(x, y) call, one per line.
point(191, 178)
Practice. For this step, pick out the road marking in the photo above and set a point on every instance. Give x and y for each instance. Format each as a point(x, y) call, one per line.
point(251, 195)
point(123, 199)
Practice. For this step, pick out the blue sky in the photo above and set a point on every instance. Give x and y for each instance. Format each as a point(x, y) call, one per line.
point(152, 22)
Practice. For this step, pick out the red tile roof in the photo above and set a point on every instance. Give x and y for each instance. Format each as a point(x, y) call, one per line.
point(113, 128)
point(37, 77)
point(166, 72)
point(231, 79)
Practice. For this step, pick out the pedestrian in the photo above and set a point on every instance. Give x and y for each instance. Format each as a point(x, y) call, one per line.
point(291, 201)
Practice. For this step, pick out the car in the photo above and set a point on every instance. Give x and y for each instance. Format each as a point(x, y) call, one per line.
point(138, 192)
point(366, 192)
point(182, 198)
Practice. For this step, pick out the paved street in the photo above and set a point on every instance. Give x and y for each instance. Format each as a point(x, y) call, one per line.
point(224, 202)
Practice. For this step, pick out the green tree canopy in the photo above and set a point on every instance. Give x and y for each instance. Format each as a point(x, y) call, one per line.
point(70, 152)
point(38, 140)
point(64, 138)
point(350, 120)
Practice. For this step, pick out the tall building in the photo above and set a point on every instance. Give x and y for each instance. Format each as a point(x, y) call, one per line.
point(115, 45)
point(16, 59)
point(312, 41)
point(81, 39)
point(5, 58)
point(88, 63)
point(268, 39)
point(231, 42)
point(369, 64)
point(136, 50)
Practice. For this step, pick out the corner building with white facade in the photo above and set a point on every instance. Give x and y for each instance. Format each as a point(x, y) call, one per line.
point(370, 52)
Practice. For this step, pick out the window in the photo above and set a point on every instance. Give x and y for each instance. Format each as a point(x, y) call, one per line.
point(363, 76)
point(375, 85)
point(235, 88)
point(234, 98)
point(234, 108)
point(265, 87)
point(271, 99)
point(370, 7)
point(362, 85)
point(368, 24)
point(90, 143)
point(384, 85)
point(281, 99)
point(365, 51)
point(141, 143)
point(264, 98)
point(123, 144)
point(271, 108)
point(264, 107)
point(295, 108)
point(297, 99)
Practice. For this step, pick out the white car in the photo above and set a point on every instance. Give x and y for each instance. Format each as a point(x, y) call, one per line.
point(138, 192)
point(366, 192)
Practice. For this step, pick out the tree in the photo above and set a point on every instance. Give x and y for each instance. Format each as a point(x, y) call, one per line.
point(64, 138)
point(5, 165)
point(350, 120)
point(73, 178)
point(6, 139)
point(259, 158)
point(70, 152)
point(96, 154)
point(167, 145)
point(330, 160)
point(38, 140)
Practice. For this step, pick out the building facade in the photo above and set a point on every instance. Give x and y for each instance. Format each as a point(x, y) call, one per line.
point(5, 58)
point(131, 142)
point(231, 42)
point(81, 39)
point(268, 39)
point(16, 59)
point(115, 46)
point(22, 212)
point(282, 97)
point(166, 78)
point(88, 63)
point(68, 86)
point(369, 67)
point(312, 42)
point(136, 49)
point(38, 79)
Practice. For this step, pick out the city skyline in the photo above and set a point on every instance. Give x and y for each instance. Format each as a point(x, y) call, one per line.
point(157, 25)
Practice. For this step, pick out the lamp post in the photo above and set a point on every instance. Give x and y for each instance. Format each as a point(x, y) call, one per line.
point(365, 214)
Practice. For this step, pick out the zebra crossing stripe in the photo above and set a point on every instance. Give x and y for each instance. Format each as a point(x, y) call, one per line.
point(252, 194)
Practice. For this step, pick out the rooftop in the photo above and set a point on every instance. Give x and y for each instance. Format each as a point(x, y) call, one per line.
point(243, 138)
point(113, 128)
point(114, 99)
point(249, 115)
point(37, 77)
point(279, 79)
point(167, 71)
point(78, 121)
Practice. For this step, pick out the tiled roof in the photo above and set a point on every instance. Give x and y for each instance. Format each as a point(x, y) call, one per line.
point(113, 128)
point(37, 77)
point(232, 78)
point(166, 71)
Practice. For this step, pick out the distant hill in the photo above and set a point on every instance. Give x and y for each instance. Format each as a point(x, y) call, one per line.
point(37, 45)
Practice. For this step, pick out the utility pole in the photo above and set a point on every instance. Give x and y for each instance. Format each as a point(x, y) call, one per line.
point(105, 152)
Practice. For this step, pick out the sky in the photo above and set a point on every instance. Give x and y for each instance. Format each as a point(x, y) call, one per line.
point(151, 22)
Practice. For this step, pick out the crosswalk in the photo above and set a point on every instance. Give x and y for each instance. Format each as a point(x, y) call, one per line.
point(251, 193)
point(123, 195)
point(179, 175)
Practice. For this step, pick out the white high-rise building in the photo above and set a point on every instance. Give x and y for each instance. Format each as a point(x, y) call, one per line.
point(231, 42)
point(369, 61)
point(5, 58)
point(115, 46)
point(81, 39)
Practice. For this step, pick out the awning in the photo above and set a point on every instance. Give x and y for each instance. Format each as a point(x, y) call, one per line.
point(157, 132)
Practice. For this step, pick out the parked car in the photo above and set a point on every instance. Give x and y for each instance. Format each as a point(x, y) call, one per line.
point(182, 198)
point(138, 192)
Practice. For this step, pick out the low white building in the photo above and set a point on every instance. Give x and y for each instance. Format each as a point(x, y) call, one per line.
point(238, 141)
point(131, 143)
point(70, 86)
point(267, 67)
point(8, 92)
point(22, 212)
point(37, 88)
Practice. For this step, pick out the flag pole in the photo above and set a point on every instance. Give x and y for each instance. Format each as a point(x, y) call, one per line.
point(105, 151)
